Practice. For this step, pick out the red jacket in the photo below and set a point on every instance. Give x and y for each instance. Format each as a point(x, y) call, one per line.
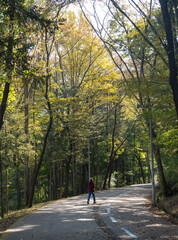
point(91, 186)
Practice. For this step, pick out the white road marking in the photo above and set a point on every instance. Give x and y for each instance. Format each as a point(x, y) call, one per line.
point(113, 219)
point(108, 210)
point(129, 233)
point(123, 195)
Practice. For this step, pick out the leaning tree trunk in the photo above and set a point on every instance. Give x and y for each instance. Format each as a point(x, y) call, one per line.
point(37, 168)
point(111, 158)
point(108, 171)
point(8, 62)
point(4, 102)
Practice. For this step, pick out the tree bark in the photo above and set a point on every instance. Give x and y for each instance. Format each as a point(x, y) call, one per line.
point(1, 181)
point(17, 181)
point(162, 180)
point(111, 158)
point(26, 158)
point(7, 195)
point(65, 193)
point(54, 181)
point(83, 178)
point(4, 103)
point(148, 166)
point(37, 169)
point(109, 179)
point(141, 168)
point(61, 179)
point(74, 174)
point(170, 51)
point(9, 64)
point(50, 184)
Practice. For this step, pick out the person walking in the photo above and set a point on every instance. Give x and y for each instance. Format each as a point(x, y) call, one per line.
point(91, 189)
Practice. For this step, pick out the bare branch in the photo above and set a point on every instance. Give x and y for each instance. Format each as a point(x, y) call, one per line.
point(138, 29)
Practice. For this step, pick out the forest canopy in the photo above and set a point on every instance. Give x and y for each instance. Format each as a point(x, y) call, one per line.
point(86, 89)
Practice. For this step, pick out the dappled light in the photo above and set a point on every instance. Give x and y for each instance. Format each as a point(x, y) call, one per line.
point(84, 219)
point(118, 213)
point(24, 228)
point(88, 108)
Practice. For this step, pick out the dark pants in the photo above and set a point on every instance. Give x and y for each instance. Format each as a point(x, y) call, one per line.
point(89, 194)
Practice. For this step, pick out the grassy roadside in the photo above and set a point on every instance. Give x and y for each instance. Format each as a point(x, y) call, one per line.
point(166, 208)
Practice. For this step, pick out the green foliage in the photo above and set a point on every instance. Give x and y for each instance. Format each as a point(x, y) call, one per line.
point(172, 178)
point(94, 103)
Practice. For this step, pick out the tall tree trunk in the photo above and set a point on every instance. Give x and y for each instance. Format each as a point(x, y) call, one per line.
point(148, 166)
point(26, 159)
point(110, 165)
point(38, 189)
point(157, 154)
point(50, 184)
point(8, 61)
point(111, 158)
point(162, 180)
point(4, 102)
point(68, 162)
point(37, 169)
point(83, 186)
point(6, 153)
point(74, 173)
point(17, 182)
point(1, 182)
point(54, 181)
point(117, 169)
point(170, 51)
point(139, 176)
point(7, 195)
point(141, 168)
point(65, 193)
point(123, 167)
point(109, 179)
point(61, 180)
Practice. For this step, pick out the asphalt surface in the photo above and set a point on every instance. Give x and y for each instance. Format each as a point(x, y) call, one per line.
point(118, 214)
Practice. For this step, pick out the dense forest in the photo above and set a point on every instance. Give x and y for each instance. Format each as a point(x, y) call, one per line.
point(83, 95)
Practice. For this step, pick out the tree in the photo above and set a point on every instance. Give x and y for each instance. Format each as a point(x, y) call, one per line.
point(170, 18)
point(118, 47)
point(170, 46)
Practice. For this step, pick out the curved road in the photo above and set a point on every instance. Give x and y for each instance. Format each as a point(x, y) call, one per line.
point(118, 214)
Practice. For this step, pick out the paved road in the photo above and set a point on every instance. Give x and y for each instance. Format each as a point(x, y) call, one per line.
point(118, 214)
